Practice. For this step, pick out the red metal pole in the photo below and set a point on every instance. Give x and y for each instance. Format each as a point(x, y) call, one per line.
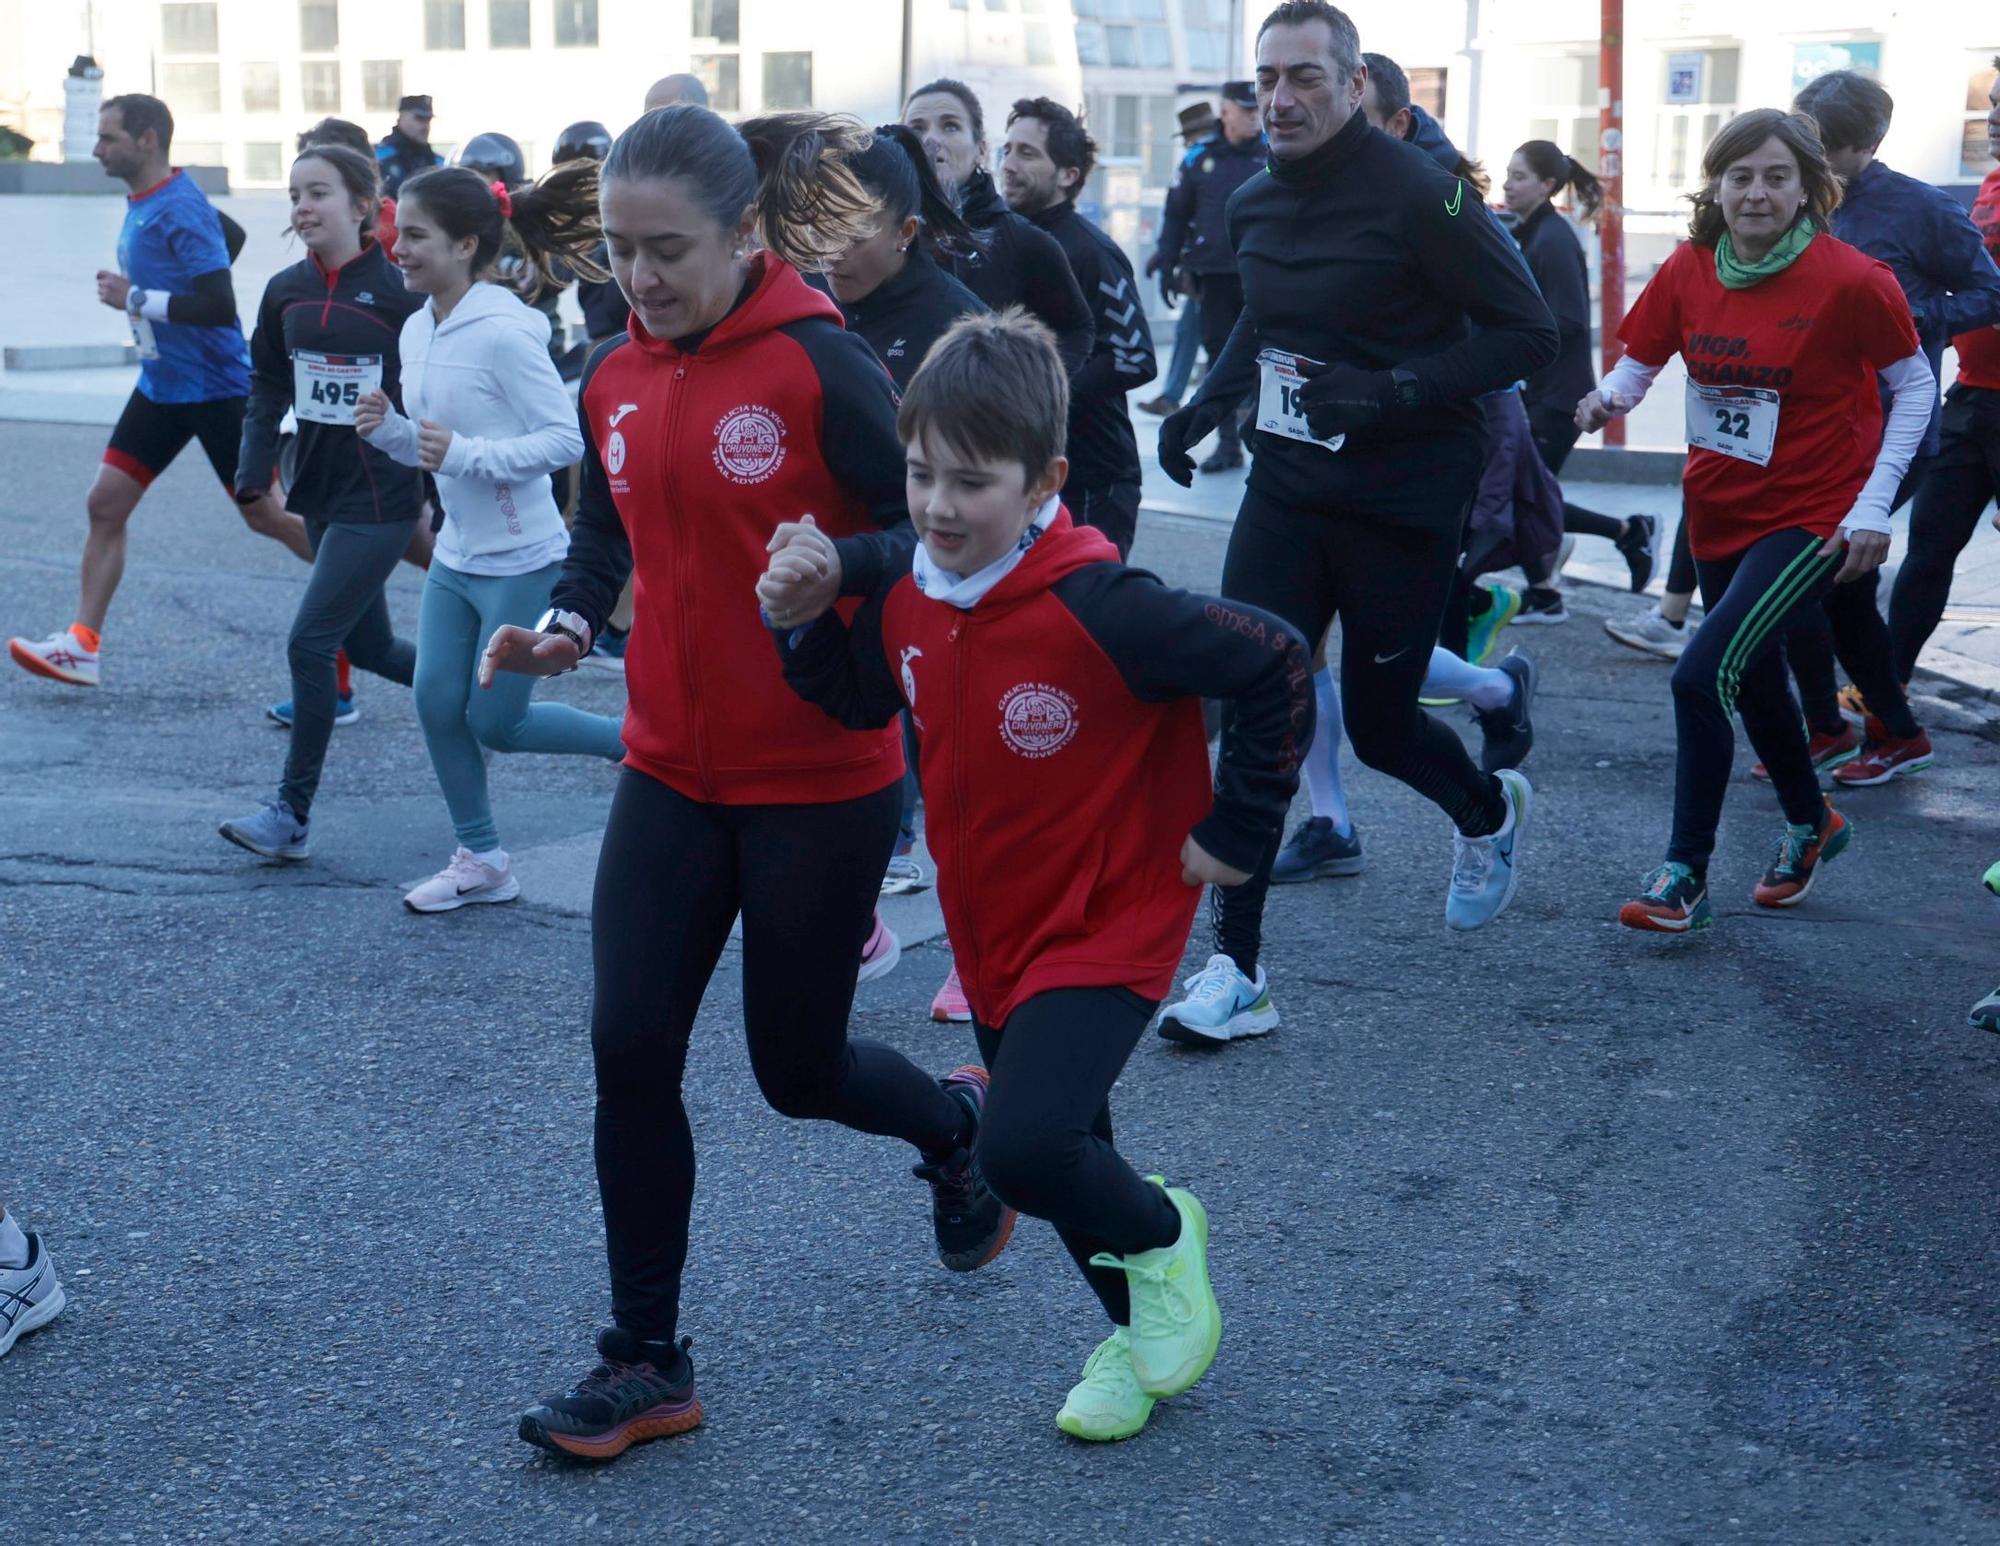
point(1611, 172)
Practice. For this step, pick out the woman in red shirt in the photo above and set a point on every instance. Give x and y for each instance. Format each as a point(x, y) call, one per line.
point(735, 401)
point(1784, 331)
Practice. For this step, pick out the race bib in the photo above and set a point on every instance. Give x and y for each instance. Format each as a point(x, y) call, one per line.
point(1278, 410)
point(325, 387)
point(142, 337)
point(1733, 421)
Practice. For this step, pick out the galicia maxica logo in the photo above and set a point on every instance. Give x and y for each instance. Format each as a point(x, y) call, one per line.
point(1037, 720)
point(749, 444)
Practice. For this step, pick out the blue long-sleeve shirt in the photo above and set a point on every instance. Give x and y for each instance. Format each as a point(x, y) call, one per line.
point(1935, 251)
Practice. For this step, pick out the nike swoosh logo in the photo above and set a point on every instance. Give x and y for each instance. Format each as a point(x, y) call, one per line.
point(1383, 660)
point(1457, 199)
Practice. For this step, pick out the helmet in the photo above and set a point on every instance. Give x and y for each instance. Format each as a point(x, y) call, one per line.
point(495, 156)
point(587, 140)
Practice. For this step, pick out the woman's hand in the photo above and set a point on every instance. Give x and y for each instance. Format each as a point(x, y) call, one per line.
point(433, 441)
point(529, 653)
point(370, 411)
point(1199, 867)
point(803, 581)
point(1865, 552)
point(1594, 410)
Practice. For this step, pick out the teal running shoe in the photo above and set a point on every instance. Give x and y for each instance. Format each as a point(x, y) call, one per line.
point(1484, 633)
point(1991, 880)
point(1486, 870)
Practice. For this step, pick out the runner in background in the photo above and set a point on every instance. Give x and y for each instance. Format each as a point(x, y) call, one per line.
point(30, 1295)
point(1198, 123)
point(173, 285)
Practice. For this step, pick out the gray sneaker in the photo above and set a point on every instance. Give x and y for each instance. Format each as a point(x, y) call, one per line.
point(273, 832)
point(1650, 632)
point(30, 1296)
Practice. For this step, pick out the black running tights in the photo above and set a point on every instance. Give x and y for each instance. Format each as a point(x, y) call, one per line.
point(1964, 476)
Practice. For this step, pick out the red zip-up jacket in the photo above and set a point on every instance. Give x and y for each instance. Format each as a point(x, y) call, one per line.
point(694, 451)
point(1062, 755)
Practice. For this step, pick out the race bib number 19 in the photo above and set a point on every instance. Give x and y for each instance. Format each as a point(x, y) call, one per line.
point(326, 387)
point(1733, 421)
point(1278, 410)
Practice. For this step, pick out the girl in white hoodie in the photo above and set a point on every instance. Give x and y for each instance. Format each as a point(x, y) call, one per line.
point(491, 420)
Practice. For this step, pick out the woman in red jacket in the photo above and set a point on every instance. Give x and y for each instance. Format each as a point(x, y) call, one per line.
point(735, 402)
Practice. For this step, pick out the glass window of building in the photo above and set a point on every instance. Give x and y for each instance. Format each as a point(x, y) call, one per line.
point(718, 73)
point(1121, 44)
point(576, 23)
point(1697, 98)
point(263, 162)
point(444, 25)
point(319, 26)
point(260, 88)
point(717, 20)
point(381, 84)
point(1040, 46)
point(1975, 159)
point(319, 85)
point(196, 152)
point(187, 29)
point(192, 88)
point(1427, 90)
point(1563, 91)
point(508, 24)
point(1089, 43)
point(788, 81)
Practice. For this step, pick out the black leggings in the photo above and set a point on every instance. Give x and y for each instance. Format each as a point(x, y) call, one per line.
point(1964, 475)
point(1556, 435)
point(1388, 586)
point(1732, 662)
point(671, 877)
point(1045, 1143)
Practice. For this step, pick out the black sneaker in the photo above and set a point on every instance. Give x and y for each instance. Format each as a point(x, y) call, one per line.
point(1640, 543)
point(1541, 604)
point(1316, 850)
point(1225, 459)
point(1508, 733)
point(640, 1391)
point(972, 1224)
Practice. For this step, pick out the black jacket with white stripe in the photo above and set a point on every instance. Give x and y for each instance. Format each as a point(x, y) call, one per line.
point(1102, 448)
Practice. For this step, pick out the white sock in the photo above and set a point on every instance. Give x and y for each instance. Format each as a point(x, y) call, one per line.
point(1322, 765)
point(493, 858)
point(1481, 686)
point(13, 1244)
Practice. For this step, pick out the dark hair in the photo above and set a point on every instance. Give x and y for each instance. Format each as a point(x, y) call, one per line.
point(554, 228)
point(360, 175)
point(1392, 86)
point(1070, 145)
point(1346, 41)
point(964, 94)
point(1851, 110)
point(1743, 134)
point(337, 131)
point(993, 388)
point(1551, 163)
point(897, 172)
point(138, 112)
point(790, 169)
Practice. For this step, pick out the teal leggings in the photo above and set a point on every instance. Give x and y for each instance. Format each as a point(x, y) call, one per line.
point(463, 721)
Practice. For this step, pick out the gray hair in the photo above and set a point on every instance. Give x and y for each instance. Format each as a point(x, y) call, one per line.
point(1346, 40)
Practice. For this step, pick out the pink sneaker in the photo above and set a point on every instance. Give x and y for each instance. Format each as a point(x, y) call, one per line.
point(880, 955)
point(950, 1007)
point(461, 883)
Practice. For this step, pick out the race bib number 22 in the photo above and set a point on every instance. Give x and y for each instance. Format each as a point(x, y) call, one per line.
point(1733, 421)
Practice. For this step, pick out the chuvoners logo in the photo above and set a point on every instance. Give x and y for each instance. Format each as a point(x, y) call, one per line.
point(749, 444)
point(1037, 720)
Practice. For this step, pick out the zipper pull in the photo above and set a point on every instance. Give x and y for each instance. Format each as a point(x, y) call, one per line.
point(955, 627)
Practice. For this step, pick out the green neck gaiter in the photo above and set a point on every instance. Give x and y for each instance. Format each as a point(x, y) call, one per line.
point(1737, 275)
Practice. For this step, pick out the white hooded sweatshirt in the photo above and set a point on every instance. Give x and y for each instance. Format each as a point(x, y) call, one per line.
point(485, 374)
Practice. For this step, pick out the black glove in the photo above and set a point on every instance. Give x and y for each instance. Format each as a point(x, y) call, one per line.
point(1170, 290)
point(1186, 427)
point(1339, 399)
point(250, 496)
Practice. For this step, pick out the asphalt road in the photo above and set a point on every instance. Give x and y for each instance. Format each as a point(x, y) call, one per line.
point(1548, 1234)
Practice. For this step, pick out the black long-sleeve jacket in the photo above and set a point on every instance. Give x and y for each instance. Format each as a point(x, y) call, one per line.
point(1102, 448)
point(1021, 266)
point(1562, 273)
point(1367, 252)
point(1194, 233)
point(904, 316)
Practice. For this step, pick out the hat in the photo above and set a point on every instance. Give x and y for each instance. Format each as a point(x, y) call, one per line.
point(421, 106)
point(1242, 93)
point(1197, 118)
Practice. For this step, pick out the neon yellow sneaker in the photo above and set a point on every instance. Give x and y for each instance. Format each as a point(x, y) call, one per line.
point(1176, 1323)
point(1107, 1402)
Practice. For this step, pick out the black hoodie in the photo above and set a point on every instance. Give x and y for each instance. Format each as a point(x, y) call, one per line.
point(904, 316)
point(1022, 266)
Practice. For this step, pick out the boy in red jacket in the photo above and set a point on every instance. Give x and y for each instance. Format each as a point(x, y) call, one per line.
point(1071, 812)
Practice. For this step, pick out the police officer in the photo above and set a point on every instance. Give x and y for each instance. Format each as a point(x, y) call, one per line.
point(1197, 123)
point(406, 149)
point(1193, 238)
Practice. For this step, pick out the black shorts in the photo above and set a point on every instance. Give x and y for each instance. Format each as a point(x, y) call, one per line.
point(150, 435)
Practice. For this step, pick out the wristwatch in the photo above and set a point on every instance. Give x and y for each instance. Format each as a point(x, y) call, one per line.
point(1409, 393)
point(135, 301)
point(570, 625)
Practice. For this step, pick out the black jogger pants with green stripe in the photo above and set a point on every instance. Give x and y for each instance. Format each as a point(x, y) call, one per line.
point(1733, 665)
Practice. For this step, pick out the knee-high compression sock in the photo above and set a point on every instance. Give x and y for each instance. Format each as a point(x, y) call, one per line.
point(1481, 686)
point(1322, 765)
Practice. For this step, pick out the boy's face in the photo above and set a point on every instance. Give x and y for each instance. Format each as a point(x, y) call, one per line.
point(970, 513)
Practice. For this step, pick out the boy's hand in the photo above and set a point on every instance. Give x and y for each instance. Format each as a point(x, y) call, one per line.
point(1199, 867)
point(803, 581)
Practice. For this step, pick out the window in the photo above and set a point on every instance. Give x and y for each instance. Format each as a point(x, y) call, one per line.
point(1124, 127)
point(1563, 96)
point(1089, 44)
point(1041, 48)
point(717, 20)
point(507, 24)
point(1427, 91)
point(192, 88)
point(260, 88)
point(319, 83)
point(319, 26)
point(444, 24)
point(1812, 60)
point(197, 152)
point(187, 29)
point(1208, 50)
point(1699, 97)
point(1156, 48)
point(381, 84)
point(263, 162)
point(718, 73)
point(998, 5)
point(1974, 150)
point(576, 23)
point(788, 80)
point(1122, 45)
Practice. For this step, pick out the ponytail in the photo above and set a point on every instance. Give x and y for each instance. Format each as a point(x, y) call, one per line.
point(1551, 163)
point(550, 226)
point(898, 174)
point(1587, 192)
point(788, 171)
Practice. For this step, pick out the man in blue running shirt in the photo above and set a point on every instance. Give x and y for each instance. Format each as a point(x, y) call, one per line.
point(173, 285)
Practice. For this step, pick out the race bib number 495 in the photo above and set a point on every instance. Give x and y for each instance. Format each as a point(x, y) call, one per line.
point(1278, 409)
point(1733, 421)
point(326, 387)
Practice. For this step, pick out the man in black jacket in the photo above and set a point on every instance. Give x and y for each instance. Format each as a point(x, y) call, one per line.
point(406, 149)
point(1043, 166)
point(1380, 301)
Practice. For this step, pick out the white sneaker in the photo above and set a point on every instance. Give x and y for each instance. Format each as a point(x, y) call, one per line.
point(1651, 633)
point(461, 883)
point(903, 876)
point(30, 1296)
point(61, 656)
point(1221, 1005)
